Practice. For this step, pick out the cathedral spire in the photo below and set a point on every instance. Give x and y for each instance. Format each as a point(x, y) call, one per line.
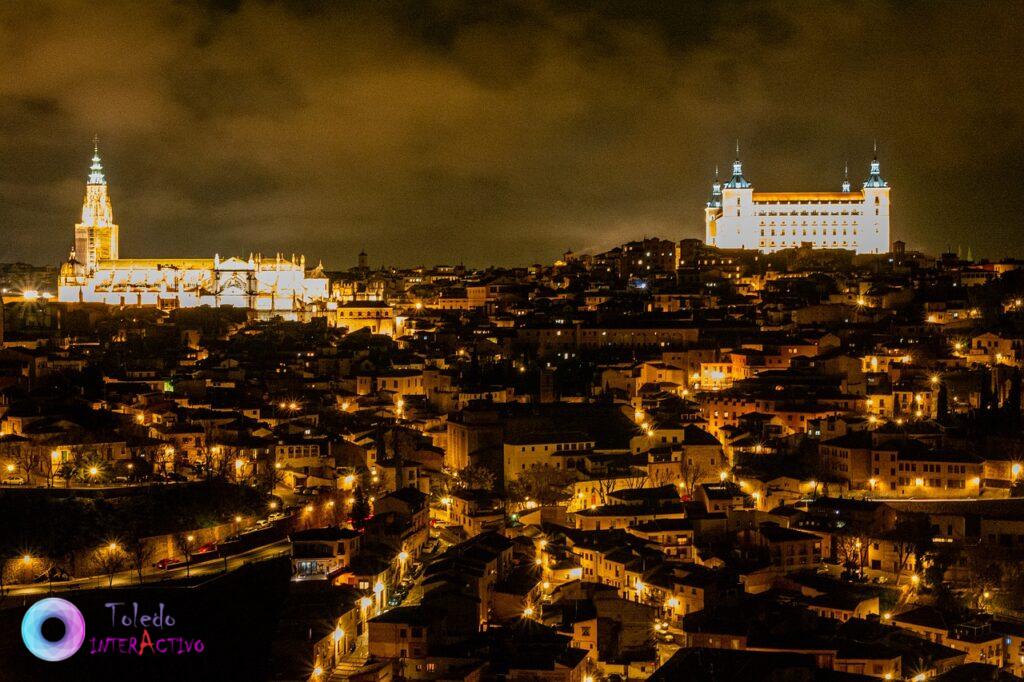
point(737, 181)
point(96, 169)
point(875, 175)
point(96, 235)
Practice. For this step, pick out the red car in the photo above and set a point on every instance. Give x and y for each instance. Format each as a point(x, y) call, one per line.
point(208, 547)
point(167, 563)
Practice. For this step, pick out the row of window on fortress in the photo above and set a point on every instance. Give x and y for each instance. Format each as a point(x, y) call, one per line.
point(796, 213)
point(813, 213)
point(763, 243)
point(814, 233)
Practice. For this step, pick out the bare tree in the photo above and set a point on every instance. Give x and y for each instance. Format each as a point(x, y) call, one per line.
point(110, 559)
point(691, 474)
point(139, 552)
point(636, 479)
point(186, 544)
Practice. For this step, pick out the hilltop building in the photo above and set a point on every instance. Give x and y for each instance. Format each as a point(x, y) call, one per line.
point(95, 272)
point(737, 217)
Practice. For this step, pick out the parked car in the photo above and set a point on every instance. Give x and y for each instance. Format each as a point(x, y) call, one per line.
point(208, 547)
point(14, 480)
point(169, 562)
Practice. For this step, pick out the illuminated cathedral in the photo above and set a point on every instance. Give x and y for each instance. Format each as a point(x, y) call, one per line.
point(95, 272)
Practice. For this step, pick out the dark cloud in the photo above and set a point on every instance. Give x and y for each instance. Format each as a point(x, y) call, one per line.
point(495, 132)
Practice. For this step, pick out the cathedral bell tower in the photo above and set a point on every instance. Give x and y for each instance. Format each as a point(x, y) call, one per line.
point(96, 235)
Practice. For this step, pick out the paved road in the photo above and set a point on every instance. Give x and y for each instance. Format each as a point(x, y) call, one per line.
point(152, 576)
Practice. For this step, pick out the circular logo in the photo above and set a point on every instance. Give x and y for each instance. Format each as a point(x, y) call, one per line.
point(32, 629)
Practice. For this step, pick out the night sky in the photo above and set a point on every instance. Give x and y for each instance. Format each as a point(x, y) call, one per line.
point(496, 132)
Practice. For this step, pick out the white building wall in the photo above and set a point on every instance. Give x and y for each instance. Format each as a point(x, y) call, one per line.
point(769, 222)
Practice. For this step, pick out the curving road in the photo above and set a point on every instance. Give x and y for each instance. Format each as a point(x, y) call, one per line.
point(153, 576)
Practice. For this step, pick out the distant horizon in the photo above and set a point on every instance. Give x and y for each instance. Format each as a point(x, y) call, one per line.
point(502, 133)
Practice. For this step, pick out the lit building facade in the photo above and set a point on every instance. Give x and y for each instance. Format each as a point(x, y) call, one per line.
point(96, 274)
point(96, 236)
point(737, 217)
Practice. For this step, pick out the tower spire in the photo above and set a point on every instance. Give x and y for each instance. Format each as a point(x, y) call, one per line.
point(96, 236)
point(96, 169)
point(716, 192)
point(875, 174)
point(846, 177)
point(737, 181)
